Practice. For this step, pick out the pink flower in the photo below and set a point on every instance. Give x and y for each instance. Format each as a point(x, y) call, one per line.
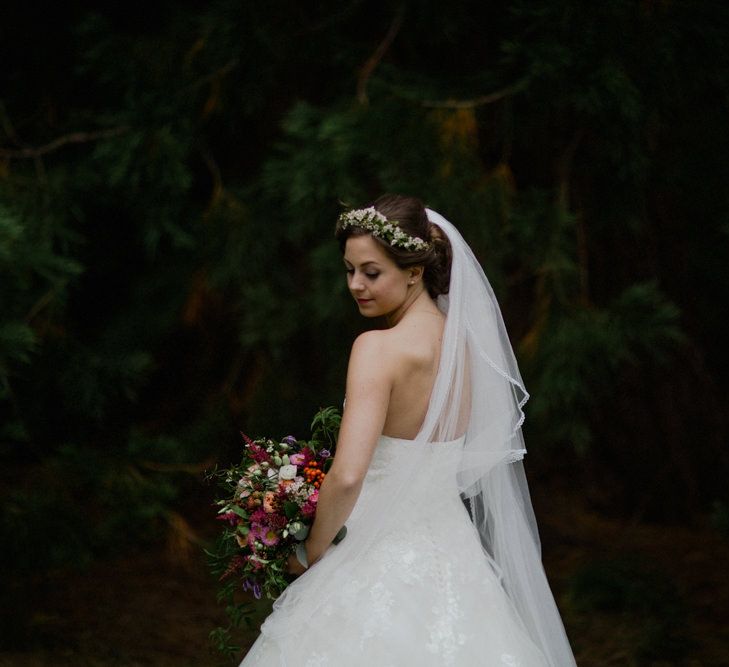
point(254, 562)
point(230, 517)
point(250, 538)
point(266, 534)
point(314, 497)
point(258, 453)
point(269, 536)
point(259, 516)
point(307, 509)
point(268, 502)
point(297, 459)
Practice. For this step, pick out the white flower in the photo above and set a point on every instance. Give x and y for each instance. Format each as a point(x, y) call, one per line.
point(287, 472)
point(375, 222)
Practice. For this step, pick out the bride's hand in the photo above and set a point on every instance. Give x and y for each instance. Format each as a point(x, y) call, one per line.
point(293, 565)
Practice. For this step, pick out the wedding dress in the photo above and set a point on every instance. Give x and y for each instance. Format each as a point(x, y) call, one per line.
point(441, 564)
point(424, 595)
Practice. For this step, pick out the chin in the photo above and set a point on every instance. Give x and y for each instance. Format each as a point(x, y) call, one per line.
point(365, 312)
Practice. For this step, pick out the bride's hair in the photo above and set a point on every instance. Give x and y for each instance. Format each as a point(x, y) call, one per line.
point(409, 212)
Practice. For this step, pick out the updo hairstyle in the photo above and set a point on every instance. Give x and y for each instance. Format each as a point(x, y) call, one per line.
point(409, 212)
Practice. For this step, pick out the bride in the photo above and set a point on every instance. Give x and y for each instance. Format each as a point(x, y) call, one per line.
point(441, 564)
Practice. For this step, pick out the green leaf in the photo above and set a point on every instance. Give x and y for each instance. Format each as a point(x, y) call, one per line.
point(239, 511)
point(291, 509)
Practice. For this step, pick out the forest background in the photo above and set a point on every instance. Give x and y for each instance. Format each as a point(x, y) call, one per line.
point(170, 174)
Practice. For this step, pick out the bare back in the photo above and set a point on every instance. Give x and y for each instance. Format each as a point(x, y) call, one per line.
point(413, 349)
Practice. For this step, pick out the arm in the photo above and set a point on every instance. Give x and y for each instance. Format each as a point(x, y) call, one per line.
point(369, 382)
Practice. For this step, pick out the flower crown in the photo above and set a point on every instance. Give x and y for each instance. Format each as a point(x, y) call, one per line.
point(378, 225)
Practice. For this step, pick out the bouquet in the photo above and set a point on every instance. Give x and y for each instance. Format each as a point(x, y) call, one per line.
point(269, 505)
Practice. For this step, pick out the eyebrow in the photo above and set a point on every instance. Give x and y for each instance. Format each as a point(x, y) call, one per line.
point(370, 261)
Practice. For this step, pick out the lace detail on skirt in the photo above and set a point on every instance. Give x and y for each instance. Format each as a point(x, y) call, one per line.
point(425, 595)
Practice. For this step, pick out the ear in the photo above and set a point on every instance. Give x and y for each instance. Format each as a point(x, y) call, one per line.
point(415, 273)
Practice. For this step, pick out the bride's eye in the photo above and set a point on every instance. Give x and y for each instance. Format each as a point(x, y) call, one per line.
point(372, 275)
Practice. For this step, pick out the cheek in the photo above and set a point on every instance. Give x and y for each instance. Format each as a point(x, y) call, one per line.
point(392, 289)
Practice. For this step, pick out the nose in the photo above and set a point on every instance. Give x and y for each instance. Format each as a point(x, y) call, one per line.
point(355, 283)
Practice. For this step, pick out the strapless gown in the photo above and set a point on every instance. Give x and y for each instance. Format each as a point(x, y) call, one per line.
point(425, 595)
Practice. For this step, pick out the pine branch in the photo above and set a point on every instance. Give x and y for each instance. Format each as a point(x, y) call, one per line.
point(60, 142)
point(369, 67)
point(476, 101)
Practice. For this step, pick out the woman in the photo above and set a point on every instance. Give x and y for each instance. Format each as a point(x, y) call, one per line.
point(432, 419)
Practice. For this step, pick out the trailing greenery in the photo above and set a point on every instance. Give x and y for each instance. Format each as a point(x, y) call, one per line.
point(225, 558)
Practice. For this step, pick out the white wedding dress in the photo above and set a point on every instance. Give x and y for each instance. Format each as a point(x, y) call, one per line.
point(426, 594)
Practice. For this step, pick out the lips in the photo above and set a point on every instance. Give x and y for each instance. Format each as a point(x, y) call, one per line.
point(362, 302)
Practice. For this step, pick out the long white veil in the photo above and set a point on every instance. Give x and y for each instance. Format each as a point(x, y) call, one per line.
point(491, 475)
point(478, 391)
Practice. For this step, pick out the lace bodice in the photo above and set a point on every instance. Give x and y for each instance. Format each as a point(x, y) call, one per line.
point(436, 473)
point(441, 460)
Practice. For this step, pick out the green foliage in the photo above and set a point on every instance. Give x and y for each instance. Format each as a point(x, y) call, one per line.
point(325, 427)
point(35, 278)
point(583, 352)
point(81, 504)
point(644, 596)
point(241, 613)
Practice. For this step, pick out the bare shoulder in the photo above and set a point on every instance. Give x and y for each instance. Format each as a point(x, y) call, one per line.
point(373, 352)
point(370, 342)
point(375, 343)
point(378, 345)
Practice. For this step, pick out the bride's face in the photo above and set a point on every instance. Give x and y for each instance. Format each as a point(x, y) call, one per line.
point(378, 285)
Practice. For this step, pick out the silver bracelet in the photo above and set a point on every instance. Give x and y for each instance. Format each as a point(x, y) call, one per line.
point(300, 553)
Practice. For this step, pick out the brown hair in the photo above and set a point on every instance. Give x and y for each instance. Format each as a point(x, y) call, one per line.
point(410, 215)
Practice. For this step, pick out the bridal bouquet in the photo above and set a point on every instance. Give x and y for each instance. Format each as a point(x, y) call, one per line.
point(269, 505)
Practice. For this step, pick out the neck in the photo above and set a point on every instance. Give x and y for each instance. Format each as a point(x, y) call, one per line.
point(417, 300)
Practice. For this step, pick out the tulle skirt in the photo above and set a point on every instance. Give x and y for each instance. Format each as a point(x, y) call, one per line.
point(426, 595)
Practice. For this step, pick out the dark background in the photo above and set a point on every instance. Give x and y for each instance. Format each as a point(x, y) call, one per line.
point(170, 175)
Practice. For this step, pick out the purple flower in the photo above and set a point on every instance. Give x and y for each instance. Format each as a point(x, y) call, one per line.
point(254, 586)
point(289, 440)
point(325, 453)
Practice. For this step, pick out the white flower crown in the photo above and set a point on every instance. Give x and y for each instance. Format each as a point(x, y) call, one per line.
point(378, 225)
